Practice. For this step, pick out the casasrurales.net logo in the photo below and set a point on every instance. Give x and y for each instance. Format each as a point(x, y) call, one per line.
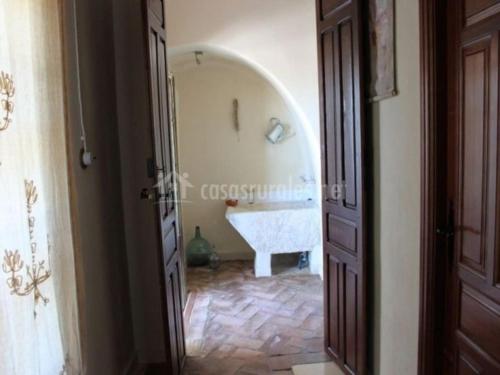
point(179, 189)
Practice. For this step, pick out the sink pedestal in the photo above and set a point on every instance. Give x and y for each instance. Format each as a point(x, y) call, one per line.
point(262, 265)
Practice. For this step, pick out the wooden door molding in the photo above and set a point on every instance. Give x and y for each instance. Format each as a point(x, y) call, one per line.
point(433, 107)
point(428, 103)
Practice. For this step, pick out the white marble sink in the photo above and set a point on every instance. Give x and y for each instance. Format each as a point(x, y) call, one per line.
point(277, 227)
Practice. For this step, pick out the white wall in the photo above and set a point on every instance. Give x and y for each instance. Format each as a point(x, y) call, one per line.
point(108, 342)
point(212, 152)
point(396, 130)
point(277, 37)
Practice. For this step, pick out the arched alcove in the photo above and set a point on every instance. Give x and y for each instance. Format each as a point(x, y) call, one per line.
point(212, 152)
point(185, 53)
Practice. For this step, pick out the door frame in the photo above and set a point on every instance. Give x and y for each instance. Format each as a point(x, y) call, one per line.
point(433, 41)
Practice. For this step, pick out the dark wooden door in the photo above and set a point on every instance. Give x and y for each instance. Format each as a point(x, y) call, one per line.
point(343, 167)
point(473, 338)
point(164, 170)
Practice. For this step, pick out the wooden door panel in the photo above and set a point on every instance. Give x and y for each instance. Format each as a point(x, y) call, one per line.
point(475, 6)
point(478, 10)
point(170, 244)
point(155, 99)
point(472, 359)
point(467, 366)
point(477, 188)
point(165, 129)
point(176, 273)
point(332, 323)
point(172, 349)
point(342, 233)
point(351, 321)
point(174, 308)
point(473, 155)
point(479, 320)
point(347, 111)
point(344, 215)
point(161, 124)
point(328, 6)
point(157, 9)
point(332, 176)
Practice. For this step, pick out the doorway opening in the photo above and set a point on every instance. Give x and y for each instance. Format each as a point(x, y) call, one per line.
point(260, 184)
point(250, 217)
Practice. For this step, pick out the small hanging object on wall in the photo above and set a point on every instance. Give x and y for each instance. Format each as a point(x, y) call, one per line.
point(236, 119)
point(36, 273)
point(7, 91)
point(278, 131)
point(197, 57)
point(381, 50)
point(86, 157)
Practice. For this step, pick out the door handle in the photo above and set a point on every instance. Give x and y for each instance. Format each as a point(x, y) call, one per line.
point(147, 194)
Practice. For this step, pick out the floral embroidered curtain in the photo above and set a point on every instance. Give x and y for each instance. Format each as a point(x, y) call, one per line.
point(39, 331)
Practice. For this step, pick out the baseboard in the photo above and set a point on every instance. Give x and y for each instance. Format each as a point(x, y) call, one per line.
point(188, 310)
point(132, 366)
point(150, 369)
point(156, 369)
point(236, 256)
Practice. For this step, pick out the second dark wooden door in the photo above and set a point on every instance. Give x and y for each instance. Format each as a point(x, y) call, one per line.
point(343, 167)
point(472, 315)
point(165, 173)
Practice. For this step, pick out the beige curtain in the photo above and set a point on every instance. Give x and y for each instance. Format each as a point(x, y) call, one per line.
point(38, 296)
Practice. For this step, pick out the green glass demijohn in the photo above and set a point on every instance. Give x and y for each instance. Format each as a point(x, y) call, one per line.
point(198, 251)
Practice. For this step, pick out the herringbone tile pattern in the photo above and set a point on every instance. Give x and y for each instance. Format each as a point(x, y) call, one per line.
point(243, 325)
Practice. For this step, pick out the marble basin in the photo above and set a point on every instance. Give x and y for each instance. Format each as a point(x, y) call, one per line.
point(277, 227)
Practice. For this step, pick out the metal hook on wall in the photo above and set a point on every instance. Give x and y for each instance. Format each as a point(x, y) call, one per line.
point(197, 55)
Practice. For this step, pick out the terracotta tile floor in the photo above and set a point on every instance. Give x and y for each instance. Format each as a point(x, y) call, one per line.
point(243, 325)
